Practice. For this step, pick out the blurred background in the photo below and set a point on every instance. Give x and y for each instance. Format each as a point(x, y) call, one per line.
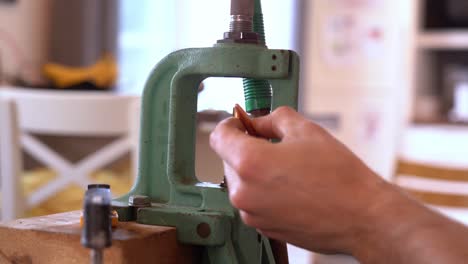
point(389, 78)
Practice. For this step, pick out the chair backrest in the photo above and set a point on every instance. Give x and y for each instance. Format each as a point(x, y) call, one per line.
point(434, 185)
point(433, 168)
point(10, 190)
point(61, 113)
point(73, 112)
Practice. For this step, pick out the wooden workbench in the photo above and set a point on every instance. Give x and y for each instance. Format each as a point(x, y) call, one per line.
point(56, 239)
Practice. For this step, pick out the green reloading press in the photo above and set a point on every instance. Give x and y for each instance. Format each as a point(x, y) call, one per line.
point(167, 192)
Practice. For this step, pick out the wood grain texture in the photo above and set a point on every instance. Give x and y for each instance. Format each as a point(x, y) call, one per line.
point(56, 239)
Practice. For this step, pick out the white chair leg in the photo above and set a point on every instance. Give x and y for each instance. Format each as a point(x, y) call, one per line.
point(44, 193)
point(67, 173)
point(10, 162)
point(44, 154)
point(99, 159)
point(103, 156)
point(134, 135)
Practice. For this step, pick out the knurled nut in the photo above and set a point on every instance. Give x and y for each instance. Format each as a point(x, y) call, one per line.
point(240, 37)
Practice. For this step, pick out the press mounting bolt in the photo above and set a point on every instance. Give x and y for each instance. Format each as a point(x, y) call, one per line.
point(139, 201)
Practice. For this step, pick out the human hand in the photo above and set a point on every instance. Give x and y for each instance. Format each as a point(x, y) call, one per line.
point(308, 189)
point(311, 191)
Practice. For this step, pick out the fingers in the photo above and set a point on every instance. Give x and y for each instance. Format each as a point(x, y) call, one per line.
point(239, 150)
point(279, 124)
point(256, 221)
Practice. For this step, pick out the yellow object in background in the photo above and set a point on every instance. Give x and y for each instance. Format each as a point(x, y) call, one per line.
point(114, 219)
point(71, 198)
point(103, 74)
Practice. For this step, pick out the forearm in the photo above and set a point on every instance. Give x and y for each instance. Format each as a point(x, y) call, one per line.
point(411, 234)
point(323, 198)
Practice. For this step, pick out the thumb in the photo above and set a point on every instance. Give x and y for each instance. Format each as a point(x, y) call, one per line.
point(231, 142)
point(279, 124)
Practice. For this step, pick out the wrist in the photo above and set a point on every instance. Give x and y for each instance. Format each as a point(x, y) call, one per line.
point(388, 222)
point(401, 230)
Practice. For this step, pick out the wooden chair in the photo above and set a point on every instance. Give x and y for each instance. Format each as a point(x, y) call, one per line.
point(26, 112)
point(442, 188)
point(433, 167)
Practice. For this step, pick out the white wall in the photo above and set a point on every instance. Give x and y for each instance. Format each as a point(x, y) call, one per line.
point(365, 84)
point(357, 75)
point(179, 24)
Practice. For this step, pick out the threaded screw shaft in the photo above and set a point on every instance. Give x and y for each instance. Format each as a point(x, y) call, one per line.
point(241, 23)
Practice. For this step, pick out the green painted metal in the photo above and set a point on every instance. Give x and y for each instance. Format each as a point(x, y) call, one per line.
point(257, 92)
point(201, 212)
point(258, 25)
